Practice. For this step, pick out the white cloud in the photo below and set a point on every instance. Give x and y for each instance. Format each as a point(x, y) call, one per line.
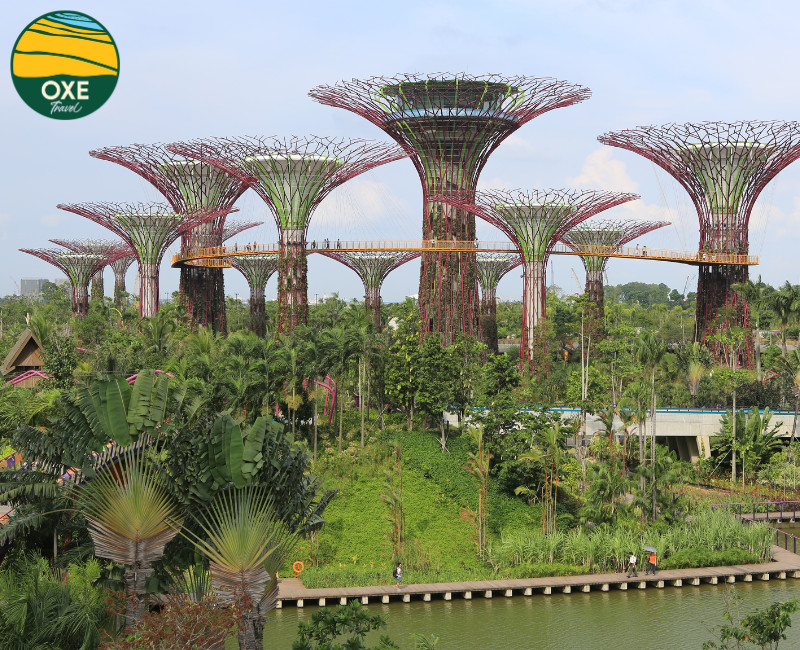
point(601, 171)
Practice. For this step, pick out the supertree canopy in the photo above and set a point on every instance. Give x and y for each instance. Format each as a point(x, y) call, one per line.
point(723, 166)
point(148, 228)
point(588, 240)
point(449, 124)
point(491, 268)
point(110, 250)
point(534, 221)
point(78, 267)
point(120, 267)
point(190, 187)
point(236, 227)
point(257, 270)
point(292, 176)
point(372, 268)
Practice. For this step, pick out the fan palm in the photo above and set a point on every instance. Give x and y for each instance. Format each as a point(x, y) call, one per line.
point(784, 303)
point(131, 518)
point(694, 360)
point(245, 544)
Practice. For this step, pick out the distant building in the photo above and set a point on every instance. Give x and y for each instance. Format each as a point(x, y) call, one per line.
point(32, 286)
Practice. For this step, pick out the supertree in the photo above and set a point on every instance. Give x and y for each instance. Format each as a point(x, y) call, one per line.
point(120, 267)
point(110, 250)
point(491, 268)
point(534, 220)
point(723, 166)
point(148, 228)
point(190, 187)
point(592, 242)
point(236, 227)
point(449, 124)
point(292, 175)
point(257, 270)
point(78, 267)
point(372, 268)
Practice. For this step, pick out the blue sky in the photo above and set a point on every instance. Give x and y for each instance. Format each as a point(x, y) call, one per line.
point(188, 70)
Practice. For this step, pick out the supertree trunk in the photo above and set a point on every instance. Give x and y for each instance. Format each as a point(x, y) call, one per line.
point(534, 311)
point(372, 305)
point(258, 317)
point(292, 281)
point(148, 289)
point(80, 301)
point(202, 294)
point(595, 308)
point(98, 288)
point(488, 320)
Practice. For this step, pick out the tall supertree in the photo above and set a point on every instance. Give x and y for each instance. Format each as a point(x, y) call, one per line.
point(120, 267)
point(78, 267)
point(110, 250)
point(591, 241)
point(723, 166)
point(491, 268)
point(190, 187)
point(534, 221)
point(257, 270)
point(449, 124)
point(148, 228)
point(292, 176)
point(372, 268)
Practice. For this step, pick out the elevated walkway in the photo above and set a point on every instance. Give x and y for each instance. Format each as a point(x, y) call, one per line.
point(219, 256)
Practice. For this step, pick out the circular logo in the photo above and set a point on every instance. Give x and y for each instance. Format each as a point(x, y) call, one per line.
point(65, 65)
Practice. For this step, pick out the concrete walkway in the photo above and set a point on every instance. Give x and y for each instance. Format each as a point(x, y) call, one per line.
point(784, 565)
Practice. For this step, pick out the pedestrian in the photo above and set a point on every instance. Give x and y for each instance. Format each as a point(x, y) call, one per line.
point(651, 563)
point(632, 565)
point(398, 574)
point(644, 251)
point(338, 243)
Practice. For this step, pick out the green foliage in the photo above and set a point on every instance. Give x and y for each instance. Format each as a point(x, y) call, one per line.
point(40, 608)
point(60, 360)
point(764, 628)
point(693, 557)
point(350, 621)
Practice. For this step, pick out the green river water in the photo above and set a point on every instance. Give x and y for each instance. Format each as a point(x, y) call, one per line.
point(638, 619)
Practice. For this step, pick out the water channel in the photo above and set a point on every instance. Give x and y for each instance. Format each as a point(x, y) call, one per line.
point(638, 619)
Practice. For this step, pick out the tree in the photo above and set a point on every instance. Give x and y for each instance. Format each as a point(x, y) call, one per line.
point(339, 348)
point(436, 382)
point(694, 361)
point(245, 543)
point(765, 628)
point(757, 298)
point(478, 467)
point(650, 352)
point(131, 518)
point(548, 450)
point(351, 621)
point(60, 360)
point(784, 303)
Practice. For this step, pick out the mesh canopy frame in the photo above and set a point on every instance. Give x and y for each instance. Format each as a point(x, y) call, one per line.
point(257, 270)
point(449, 124)
point(534, 220)
point(189, 186)
point(292, 176)
point(110, 250)
point(723, 166)
point(372, 268)
point(78, 267)
point(149, 229)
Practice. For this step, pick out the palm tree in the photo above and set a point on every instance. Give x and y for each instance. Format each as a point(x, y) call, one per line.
point(694, 360)
point(757, 299)
point(246, 544)
point(784, 303)
point(606, 417)
point(339, 347)
point(131, 517)
point(790, 366)
point(288, 363)
point(650, 352)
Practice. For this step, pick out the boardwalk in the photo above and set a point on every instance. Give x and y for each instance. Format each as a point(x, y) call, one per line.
point(784, 565)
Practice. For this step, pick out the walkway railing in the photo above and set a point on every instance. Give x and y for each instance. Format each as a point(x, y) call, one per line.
point(749, 513)
point(218, 256)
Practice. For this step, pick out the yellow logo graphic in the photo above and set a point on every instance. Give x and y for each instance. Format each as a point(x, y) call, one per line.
point(65, 65)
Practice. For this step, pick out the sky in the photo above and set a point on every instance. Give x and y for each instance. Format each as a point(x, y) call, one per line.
point(201, 68)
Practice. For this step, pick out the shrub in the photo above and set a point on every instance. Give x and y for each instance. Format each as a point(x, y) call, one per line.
point(703, 557)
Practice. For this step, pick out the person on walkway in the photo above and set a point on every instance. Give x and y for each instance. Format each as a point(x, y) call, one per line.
point(651, 563)
point(632, 565)
point(398, 574)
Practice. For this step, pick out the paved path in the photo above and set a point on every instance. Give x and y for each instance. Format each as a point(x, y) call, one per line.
point(785, 564)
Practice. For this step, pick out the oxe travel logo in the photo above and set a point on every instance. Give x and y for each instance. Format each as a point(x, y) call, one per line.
point(65, 65)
